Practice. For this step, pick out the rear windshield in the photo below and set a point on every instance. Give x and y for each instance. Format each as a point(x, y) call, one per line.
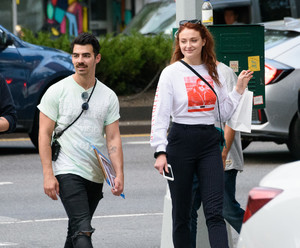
point(276, 37)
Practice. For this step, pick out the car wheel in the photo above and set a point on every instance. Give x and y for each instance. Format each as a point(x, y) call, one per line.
point(34, 134)
point(294, 138)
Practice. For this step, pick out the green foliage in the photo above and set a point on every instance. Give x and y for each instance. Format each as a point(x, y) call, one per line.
point(46, 39)
point(129, 62)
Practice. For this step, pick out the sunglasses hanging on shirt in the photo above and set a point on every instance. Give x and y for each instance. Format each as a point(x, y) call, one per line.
point(84, 96)
point(84, 106)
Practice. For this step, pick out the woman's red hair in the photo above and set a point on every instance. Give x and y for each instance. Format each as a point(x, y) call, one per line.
point(208, 55)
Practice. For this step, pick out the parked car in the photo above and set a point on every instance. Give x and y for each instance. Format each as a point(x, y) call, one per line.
point(278, 121)
point(160, 15)
point(29, 70)
point(272, 215)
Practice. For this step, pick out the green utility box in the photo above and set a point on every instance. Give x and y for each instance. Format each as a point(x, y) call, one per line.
point(241, 47)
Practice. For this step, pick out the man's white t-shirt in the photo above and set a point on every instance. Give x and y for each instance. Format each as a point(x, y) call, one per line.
point(62, 103)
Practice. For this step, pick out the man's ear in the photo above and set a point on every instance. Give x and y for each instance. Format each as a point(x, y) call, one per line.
point(98, 58)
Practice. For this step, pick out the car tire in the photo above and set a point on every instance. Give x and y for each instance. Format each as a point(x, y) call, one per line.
point(294, 138)
point(34, 134)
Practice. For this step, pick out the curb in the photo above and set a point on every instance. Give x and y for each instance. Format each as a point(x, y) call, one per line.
point(135, 120)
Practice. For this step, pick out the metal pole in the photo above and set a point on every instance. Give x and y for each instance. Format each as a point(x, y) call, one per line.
point(14, 16)
point(188, 9)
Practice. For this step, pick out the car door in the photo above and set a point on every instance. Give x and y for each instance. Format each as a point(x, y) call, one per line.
point(13, 69)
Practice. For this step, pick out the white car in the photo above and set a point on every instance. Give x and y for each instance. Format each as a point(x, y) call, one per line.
point(272, 217)
point(278, 121)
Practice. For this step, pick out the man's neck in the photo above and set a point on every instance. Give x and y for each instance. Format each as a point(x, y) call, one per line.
point(84, 81)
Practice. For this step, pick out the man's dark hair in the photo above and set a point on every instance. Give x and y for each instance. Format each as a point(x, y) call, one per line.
point(235, 11)
point(87, 39)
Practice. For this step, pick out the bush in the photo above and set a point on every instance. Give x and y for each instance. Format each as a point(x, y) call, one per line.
point(129, 62)
point(46, 39)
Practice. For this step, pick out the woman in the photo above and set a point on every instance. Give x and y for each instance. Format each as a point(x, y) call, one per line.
point(192, 145)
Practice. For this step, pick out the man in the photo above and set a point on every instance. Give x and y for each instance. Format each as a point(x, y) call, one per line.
point(233, 162)
point(8, 116)
point(76, 176)
point(231, 16)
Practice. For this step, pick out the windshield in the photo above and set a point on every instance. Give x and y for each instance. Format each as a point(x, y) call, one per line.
point(154, 18)
point(276, 37)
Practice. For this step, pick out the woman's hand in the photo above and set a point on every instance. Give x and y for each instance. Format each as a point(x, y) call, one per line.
point(243, 80)
point(161, 163)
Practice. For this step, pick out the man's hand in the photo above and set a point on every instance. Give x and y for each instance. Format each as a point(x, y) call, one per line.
point(229, 134)
point(51, 187)
point(224, 156)
point(4, 124)
point(119, 186)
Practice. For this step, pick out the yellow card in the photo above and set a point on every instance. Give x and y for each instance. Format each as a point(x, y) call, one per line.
point(253, 63)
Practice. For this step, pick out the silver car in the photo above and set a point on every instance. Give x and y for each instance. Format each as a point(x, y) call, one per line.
point(278, 121)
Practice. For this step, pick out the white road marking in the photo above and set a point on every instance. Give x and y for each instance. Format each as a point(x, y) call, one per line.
point(8, 244)
point(137, 142)
point(9, 222)
point(5, 183)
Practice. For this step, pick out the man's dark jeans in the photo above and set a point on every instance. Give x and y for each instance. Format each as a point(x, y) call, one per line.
point(80, 198)
point(232, 210)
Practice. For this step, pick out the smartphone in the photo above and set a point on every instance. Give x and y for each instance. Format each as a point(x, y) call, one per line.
point(168, 175)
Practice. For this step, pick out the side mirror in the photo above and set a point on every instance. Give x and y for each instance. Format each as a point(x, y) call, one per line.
point(5, 39)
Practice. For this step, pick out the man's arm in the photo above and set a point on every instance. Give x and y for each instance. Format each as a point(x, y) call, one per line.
point(229, 137)
point(115, 152)
point(51, 186)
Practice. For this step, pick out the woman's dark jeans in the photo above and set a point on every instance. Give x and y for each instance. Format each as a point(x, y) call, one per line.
point(80, 198)
point(232, 211)
point(195, 149)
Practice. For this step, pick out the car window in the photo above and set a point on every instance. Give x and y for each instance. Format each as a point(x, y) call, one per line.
point(154, 18)
point(276, 37)
point(274, 9)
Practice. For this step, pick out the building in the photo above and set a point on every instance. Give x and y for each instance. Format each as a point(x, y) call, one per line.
point(69, 16)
